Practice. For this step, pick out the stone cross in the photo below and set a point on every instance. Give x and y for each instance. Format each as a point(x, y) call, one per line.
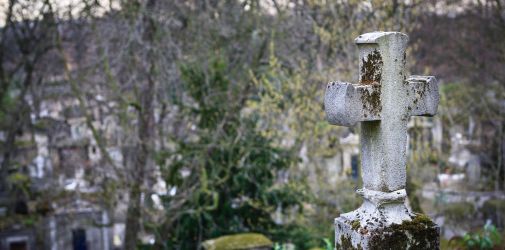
point(382, 101)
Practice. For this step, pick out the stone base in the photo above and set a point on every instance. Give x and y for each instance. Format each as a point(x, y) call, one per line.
point(419, 233)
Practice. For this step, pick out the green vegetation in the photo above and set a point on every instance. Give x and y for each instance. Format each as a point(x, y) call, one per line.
point(233, 169)
point(494, 210)
point(486, 238)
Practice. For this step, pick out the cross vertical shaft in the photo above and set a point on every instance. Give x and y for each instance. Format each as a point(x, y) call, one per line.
point(383, 142)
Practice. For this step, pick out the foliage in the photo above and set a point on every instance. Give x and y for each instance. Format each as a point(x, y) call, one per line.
point(289, 106)
point(7, 104)
point(233, 170)
point(327, 244)
point(494, 210)
point(488, 238)
point(464, 103)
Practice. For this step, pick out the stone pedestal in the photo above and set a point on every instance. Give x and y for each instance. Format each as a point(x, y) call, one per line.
point(419, 233)
point(384, 221)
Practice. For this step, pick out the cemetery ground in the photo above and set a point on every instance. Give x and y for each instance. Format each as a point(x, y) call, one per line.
point(209, 124)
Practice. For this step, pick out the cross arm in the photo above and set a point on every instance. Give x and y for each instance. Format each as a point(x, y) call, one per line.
point(424, 97)
point(346, 104)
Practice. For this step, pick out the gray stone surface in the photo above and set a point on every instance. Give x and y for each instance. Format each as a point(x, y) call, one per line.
point(419, 233)
point(382, 100)
point(351, 109)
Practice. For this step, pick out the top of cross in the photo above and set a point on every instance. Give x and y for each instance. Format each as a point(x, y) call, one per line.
point(373, 37)
point(382, 85)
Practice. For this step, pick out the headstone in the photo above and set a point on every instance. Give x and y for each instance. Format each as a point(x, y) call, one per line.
point(350, 153)
point(382, 101)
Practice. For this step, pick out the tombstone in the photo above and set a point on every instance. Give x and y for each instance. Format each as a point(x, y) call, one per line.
point(382, 101)
point(350, 155)
point(78, 225)
point(354, 167)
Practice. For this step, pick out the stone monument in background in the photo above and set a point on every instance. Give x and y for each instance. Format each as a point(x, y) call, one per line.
point(382, 101)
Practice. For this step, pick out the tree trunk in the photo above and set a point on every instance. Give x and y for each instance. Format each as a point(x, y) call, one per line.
point(145, 135)
point(142, 151)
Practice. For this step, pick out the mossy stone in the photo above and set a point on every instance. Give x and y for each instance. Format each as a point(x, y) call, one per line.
point(355, 225)
point(420, 233)
point(371, 71)
point(239, 241)
point(346, 244)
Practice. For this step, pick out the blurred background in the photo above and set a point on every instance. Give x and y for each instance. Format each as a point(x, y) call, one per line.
point(143, 124)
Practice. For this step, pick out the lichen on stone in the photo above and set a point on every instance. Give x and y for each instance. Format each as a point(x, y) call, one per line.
point(371, 100)
point(346, 244)
point(355, 224)
point(419, 233)
point(371, 69)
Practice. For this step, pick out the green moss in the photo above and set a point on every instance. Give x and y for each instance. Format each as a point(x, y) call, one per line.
point(355, 225)
point(419, 222)
point(389, 240)
point(238, 241)
point(346, 244)
point(422, 219)
point(420, 233)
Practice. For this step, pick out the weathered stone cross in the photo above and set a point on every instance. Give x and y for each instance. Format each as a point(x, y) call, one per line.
point(383, 101)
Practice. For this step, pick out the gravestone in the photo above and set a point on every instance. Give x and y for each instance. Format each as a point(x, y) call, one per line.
point(382, 101)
